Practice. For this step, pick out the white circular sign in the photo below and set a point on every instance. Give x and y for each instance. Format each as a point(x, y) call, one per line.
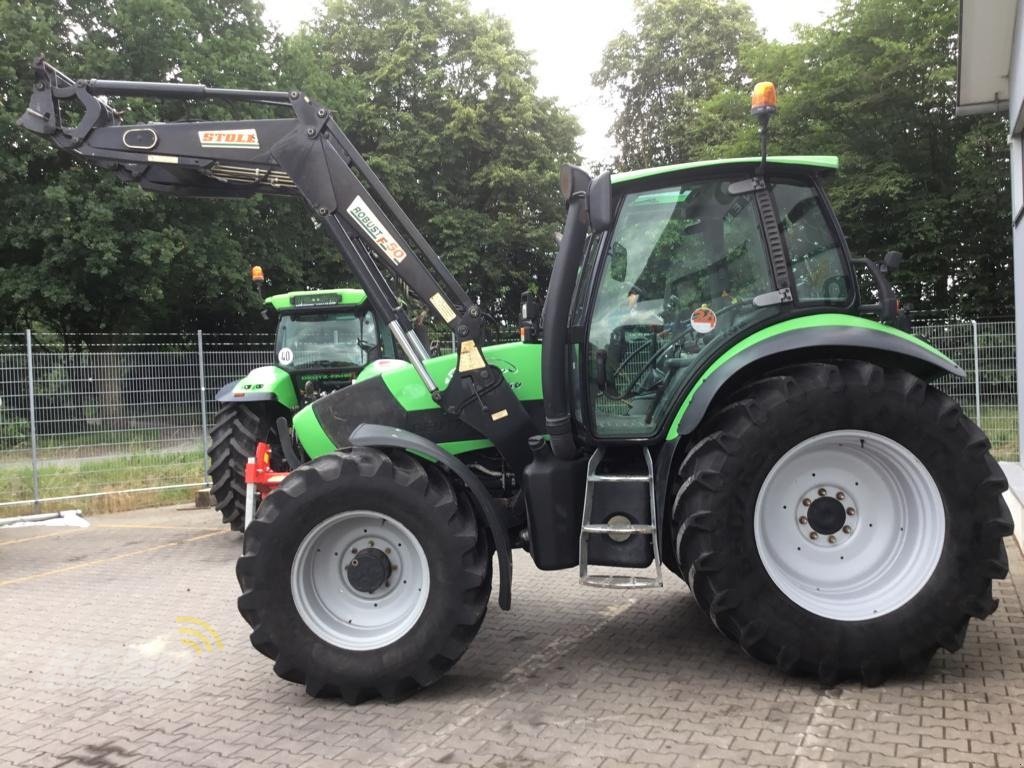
point(285, 356)
point(703, 320)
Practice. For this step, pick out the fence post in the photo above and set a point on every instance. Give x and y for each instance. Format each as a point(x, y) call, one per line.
point(977, 375)
point(32, 420)
point(202, 403)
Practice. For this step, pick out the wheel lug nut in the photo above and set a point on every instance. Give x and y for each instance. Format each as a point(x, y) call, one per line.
point(803, 520)
point(354, 563)
point(806, 502)
point(822, 492)
point(831, 539)
point(814, 536)
point(850, 511)
point(840, 495)
point(355, 551)
point(847, 529)
point(387, 550)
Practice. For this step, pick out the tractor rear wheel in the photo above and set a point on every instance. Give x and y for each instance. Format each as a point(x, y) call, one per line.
point(842, 521)
point(363, 575)
point(236, 430)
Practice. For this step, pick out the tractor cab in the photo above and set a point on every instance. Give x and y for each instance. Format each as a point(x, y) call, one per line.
point(325, 338)
point(686, 269)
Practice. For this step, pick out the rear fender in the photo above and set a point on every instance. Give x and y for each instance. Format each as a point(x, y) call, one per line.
point(815, 338)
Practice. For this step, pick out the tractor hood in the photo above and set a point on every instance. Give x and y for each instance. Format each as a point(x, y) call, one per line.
point(389, 393)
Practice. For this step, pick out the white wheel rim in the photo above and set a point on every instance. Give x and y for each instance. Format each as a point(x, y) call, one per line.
point(328, 602)
point(893, 525)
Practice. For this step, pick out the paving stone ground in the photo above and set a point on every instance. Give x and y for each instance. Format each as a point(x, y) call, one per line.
point(93, 672)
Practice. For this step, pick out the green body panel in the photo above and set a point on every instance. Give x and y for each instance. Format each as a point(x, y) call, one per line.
point(310, 434)
point(822, 162)
point(342, 297)
point(518, 362)
point(378, 367)
point(822, 321)
point(266, 380)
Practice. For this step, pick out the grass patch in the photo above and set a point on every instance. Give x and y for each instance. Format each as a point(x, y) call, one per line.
point(67, 477)
point(999, 422)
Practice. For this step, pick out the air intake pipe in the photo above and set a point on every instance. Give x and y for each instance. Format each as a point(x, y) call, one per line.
point(555, 351)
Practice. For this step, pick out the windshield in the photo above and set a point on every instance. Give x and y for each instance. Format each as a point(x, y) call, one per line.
point(326, 340)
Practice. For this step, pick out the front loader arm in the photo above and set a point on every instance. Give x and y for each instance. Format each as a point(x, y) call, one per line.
point(308, 155)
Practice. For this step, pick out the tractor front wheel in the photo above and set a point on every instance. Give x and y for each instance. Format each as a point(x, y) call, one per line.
point(236, 430)
point(842, 521)
point(363, 575)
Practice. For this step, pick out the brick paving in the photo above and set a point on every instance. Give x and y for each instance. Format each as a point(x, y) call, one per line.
point(93, 673)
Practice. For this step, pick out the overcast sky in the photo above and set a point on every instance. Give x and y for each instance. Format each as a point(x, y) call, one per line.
point(544, 27)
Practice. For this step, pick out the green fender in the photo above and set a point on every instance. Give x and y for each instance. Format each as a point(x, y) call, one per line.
point(261, 384)
point(824, 336)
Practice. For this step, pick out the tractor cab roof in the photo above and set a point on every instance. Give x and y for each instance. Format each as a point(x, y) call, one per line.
point(822, 165)
point(340, 298)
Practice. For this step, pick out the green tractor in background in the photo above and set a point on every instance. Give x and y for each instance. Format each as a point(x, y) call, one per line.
point(324, 339)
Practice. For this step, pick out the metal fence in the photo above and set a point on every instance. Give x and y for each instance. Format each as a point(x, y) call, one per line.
point(988, 394)
point(121, 420)
point(82, 426)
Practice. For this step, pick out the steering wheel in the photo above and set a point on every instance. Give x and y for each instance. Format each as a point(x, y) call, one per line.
point(676, 340)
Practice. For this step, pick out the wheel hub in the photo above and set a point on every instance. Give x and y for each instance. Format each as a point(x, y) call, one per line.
point(360, 580)
point(369, 570)
point(867, 529)
point(826, 515)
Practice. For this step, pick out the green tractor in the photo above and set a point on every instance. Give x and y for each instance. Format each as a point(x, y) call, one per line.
point(708, 390)
point(324, 339)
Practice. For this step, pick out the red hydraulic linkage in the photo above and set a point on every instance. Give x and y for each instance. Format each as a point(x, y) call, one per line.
point(259, 479)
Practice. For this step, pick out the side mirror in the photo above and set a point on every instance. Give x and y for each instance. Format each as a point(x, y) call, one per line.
point(529, 317)
point(599, 202)
point(891, 261)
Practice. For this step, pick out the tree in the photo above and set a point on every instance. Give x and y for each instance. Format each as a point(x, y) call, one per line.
point(81, 252)
point(445, 108)
point(682, 53)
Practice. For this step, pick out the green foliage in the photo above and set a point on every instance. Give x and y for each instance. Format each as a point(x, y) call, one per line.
point(438, 98)
point(683, 53)
point(876, 85)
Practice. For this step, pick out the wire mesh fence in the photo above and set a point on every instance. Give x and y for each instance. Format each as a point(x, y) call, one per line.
point(121, 420)
point(988, 393)
point(83, 425)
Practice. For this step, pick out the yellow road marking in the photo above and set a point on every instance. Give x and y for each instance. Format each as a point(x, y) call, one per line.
point(40, 536)
point(110, 525)
point(101, 561)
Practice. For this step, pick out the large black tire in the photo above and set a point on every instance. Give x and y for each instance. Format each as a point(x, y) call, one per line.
point(714, 520)
point(236, 430)
point(420, 498)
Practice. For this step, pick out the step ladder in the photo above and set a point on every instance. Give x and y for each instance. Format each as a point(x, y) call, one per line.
point(588, 529)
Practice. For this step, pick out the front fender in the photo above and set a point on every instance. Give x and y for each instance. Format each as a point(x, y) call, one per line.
point(817, 337)
point(376, 436)
point(261, 384)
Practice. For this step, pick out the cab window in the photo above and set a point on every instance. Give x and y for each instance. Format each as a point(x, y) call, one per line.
point(815, 257)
